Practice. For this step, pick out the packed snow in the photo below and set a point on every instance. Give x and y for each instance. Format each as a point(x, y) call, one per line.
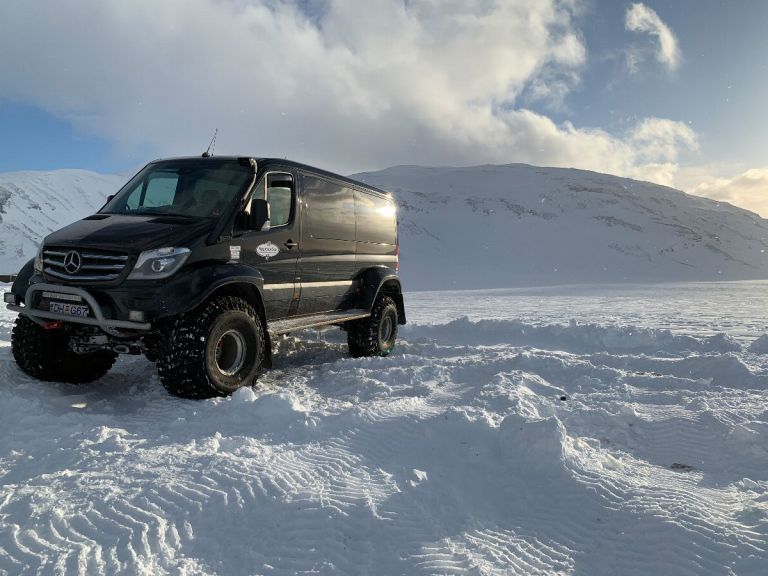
point(556, 431)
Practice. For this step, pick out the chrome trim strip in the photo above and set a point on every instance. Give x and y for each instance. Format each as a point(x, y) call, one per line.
point(320, 284)
point(290, 286)
point(104, 257)
point(102, 266)
point(121, 258)
point(80, 276)
point(326, 284)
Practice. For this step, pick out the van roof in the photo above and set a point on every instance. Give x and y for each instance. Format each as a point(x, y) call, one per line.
point(283, 162)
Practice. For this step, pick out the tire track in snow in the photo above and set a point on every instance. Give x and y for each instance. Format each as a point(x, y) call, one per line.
point(444, 459)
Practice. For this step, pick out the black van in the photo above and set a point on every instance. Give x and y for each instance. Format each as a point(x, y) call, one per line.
point(198, 262)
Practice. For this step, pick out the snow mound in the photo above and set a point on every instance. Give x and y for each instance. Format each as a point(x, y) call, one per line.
point(573, 337)
point(760, 346)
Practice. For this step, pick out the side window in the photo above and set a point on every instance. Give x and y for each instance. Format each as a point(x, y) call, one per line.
point(280, 197)
point(278, 189)
point(331, 209)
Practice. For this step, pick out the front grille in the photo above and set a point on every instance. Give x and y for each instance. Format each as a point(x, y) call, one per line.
point(94, 265)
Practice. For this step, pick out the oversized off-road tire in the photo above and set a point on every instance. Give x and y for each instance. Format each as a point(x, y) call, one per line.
point(375, 335)
point(213, 350)
point(45, 355)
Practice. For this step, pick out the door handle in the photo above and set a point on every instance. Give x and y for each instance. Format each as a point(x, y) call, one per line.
point(290, 244)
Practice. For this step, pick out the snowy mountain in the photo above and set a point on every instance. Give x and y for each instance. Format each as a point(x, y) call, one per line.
point(516, 225)
point(483, 227)
point(32, 204)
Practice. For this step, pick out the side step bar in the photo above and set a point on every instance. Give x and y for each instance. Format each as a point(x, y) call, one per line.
point(292, 324)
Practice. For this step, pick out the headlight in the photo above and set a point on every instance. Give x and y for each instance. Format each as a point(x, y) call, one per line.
point(39, 260)
point(158, 264)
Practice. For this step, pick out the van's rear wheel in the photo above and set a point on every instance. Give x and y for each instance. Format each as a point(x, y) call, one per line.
point(212, 351)
point(45, 355)
point(375, 335)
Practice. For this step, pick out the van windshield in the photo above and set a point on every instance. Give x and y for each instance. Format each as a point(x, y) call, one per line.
point(197, 188)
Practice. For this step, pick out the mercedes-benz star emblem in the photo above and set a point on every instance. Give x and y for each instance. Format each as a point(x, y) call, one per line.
point(72, 262)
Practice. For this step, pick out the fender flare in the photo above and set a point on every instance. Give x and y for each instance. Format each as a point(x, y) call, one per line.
point(192, 289)
point(381, 280)
point(21, 283)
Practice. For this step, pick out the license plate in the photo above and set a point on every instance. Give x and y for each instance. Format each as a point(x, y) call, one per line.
point(69, 309)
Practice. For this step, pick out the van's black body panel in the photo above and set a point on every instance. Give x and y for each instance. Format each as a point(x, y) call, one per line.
point(130, 234)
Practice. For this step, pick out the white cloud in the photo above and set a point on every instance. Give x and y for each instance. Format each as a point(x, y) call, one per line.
point(641, 18)
point(748, 188)
point(356, 85)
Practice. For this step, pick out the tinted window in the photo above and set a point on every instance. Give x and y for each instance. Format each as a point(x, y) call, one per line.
point(331, 209)
point(280, 197)
point(375, 218)
point(280, 206)
point(160, 190)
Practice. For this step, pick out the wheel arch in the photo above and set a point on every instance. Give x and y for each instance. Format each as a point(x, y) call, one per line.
point(381, 280)
point(251, 293)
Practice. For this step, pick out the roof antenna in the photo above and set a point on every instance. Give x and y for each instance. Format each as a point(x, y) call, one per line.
point(209, 152)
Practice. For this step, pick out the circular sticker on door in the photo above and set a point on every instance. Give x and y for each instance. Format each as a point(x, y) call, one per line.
point(267, 250)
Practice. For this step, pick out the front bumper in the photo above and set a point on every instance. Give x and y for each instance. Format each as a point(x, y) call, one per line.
point(98, 319)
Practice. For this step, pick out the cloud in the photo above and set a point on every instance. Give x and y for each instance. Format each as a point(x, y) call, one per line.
point(641, 18)
point(349, 86)
point(748, 188)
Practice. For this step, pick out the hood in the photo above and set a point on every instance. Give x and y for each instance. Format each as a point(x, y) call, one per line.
point(132, 234)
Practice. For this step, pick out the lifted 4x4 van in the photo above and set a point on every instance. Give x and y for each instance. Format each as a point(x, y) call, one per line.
point(198, 262)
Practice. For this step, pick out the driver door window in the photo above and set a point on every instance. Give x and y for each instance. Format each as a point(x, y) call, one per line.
point(278, 189)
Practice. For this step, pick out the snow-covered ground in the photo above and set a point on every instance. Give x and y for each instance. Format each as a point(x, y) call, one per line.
point(633, 440)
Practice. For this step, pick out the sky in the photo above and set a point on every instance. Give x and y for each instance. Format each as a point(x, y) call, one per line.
point(668, 91)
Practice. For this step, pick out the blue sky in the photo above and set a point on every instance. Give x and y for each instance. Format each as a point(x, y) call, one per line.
point(354, 85)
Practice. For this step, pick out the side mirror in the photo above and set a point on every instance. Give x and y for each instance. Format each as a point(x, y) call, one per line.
point(260, 215)
point(110, 198)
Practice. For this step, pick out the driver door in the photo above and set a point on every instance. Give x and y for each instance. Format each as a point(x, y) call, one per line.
point(275, 252)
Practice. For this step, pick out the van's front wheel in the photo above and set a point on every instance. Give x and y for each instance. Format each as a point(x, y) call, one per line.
point(45, 355)
point(212, 351)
